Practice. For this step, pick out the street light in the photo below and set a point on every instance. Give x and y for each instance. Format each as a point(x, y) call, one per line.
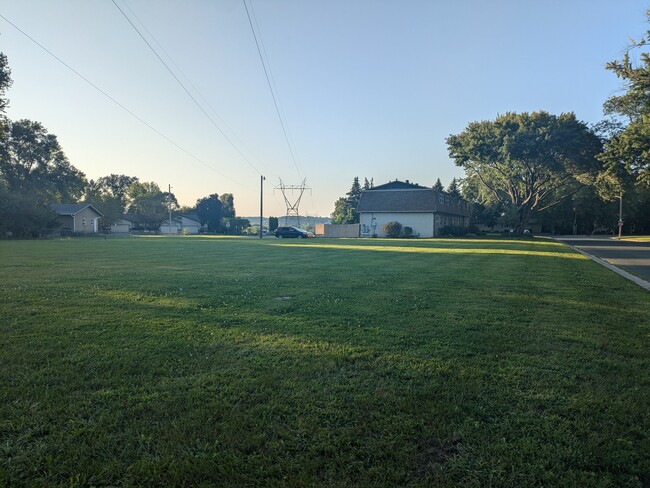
point(620, 215)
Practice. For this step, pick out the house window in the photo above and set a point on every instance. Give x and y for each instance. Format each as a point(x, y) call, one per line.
point(83, 221)
point(441, 199)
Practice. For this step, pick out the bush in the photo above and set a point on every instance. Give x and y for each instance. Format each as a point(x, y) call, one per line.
point(408, 232)
point(453, 230)
point(392, 229)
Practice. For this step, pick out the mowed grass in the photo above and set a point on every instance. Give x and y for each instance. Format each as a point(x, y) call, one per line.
point(245, 362)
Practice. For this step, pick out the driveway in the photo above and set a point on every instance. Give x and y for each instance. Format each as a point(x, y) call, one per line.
point(633, 257)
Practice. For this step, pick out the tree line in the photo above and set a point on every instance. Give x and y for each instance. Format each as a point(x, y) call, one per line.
point(35, 173)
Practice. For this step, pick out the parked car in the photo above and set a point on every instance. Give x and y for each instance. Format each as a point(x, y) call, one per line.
point(293, 232)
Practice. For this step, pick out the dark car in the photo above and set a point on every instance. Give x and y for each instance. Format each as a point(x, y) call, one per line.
point(293, 232)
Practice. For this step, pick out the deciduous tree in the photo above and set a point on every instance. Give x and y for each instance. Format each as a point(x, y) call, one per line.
point(209, 210)
point(528, 162)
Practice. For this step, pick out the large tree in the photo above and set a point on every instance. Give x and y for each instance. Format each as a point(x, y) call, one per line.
point(109, 195)
point(35, 164)
point(209, 210)
point(345, 208)
point(150, 204)
point(527, 162)
point(228, 205)
point(34, 172)
point(630, 147)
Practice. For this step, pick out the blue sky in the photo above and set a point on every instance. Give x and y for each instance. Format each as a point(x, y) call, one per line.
point(366, 88)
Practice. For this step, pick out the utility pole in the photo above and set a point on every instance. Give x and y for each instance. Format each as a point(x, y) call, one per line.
point(620, 215)
point(169, 207)
point(261, 203)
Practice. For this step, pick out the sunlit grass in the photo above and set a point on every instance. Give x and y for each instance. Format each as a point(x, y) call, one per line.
point(247, 362)
point(443, 250)
point(636, 238)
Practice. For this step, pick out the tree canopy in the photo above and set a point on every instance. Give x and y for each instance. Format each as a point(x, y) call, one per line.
point(209, 210)
point(630, 146)
point(148, 202)
point(527, 162)
point(34, 171)
point(345, 208)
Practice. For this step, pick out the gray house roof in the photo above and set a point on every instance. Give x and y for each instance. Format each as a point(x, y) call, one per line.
point(418, 200)
point(72, 208)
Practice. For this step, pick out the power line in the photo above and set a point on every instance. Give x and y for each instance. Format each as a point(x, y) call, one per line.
point(268, 81)
point(137, 117)
point(186, 90)
point(189, 81)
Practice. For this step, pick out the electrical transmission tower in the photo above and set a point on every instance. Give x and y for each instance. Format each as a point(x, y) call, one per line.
point(289, 193)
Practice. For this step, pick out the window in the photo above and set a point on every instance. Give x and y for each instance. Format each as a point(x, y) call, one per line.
point(441, 198)
point(83, 221)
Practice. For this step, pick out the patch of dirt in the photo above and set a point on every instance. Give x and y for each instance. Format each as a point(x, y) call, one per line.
point(434, 452)
point(283, 298)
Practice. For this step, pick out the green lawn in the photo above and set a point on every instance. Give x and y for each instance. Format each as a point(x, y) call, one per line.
point(247, 362)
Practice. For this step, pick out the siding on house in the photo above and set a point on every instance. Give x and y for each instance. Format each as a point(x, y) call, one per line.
point(78, 218)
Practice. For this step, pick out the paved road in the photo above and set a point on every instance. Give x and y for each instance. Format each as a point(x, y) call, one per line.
point(633, 257)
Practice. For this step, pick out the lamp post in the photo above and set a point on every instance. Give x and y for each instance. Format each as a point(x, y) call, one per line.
point(620, 215)
point(169, 206)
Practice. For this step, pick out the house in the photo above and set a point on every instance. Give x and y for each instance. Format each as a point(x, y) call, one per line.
point(123, 225)
point(424, 209)
point(191, 223)
point(77, 218)
point(184, 223)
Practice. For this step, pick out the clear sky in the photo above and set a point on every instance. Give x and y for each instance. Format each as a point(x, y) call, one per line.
point(367, 88)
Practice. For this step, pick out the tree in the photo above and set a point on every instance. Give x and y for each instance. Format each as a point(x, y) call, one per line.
point(228, 205)
point(438, 185)
point(366, 184)
point(630, 146)
point(34, 172)
point(528, 162)
point(273, 223)
point(150, 204)
point(235, 225)
point(109, 195)
point(34, 163)
point(342, 213)
point(454, 188)
point(209, 210)
point(345, 209)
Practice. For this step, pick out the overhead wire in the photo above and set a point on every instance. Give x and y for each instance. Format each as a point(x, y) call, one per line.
point(185, 89)
point(268, 80)
point(134, 115)
point(187, 79)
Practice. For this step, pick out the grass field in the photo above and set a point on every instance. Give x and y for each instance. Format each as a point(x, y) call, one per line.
point(245, 362)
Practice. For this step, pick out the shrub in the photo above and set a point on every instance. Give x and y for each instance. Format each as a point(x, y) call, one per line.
point(408, 232)
point(392, 229)
point(453, 230)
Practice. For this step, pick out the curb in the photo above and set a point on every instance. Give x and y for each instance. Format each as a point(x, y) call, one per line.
point(629, 276)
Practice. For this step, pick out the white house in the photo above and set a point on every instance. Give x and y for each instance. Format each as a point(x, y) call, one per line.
point(423, 209)
point(191, 222)
point(122, 226)
point(184, 223)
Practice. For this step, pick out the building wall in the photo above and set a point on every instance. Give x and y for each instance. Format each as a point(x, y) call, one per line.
point(337, 230)
point(84, 222)
point(175, 229)
point(121, 227)
point(421, 223)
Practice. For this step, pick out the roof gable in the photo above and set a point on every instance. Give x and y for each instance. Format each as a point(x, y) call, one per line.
point(398, 185)
point(424, 200)
point(72, 208)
